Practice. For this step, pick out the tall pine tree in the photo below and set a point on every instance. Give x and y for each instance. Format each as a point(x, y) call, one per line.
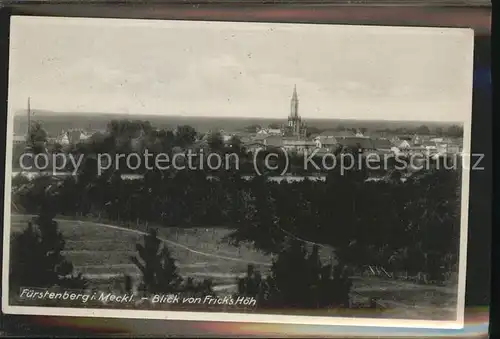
point(158, 268)
point(316, 286)
point(160, 272)
point(36, 256)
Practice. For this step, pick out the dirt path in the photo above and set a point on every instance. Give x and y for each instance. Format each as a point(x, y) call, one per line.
point(170, 242)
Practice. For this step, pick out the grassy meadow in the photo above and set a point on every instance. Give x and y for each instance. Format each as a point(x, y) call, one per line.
point(102, 253)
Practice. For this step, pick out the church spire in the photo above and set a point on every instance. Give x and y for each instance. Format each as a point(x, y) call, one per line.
point(295, 125)
point(294, 110)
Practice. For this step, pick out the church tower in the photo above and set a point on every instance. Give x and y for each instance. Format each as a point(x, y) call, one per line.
point(295, 125)
point(294, 105)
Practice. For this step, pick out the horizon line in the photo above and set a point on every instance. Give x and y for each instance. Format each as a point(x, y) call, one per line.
point(22, 112)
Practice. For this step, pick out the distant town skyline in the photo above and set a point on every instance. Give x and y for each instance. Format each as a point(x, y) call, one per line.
point(247, 70)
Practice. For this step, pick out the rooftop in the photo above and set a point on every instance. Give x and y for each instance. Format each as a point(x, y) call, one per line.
point(356, 142)
point(382, 144)
point(329, 140)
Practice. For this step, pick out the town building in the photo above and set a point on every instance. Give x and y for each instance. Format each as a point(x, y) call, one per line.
point(412, 140)
point(18, 139)
point(72, 136)
point(403, 144)
point(298, 145)
point(254, 147)
point(270, 131)
point(383, 145)
point(226, 138)
point(436, 140)
point(453, 148)
point(359, 134)
point(361, 144)
point(327, 143)
point(273, 141)
point(367, 145)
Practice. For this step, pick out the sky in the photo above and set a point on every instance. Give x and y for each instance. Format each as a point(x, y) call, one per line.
point(226, 69)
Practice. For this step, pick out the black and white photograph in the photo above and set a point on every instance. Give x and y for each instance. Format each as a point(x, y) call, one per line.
point(237, 171)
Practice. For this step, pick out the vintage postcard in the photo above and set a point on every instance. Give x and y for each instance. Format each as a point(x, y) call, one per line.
point(249, 172)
